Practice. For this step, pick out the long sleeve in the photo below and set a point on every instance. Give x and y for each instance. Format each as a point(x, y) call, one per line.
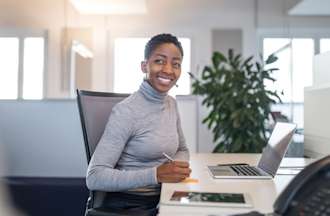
point(183, 151)
point(139, 130)
point(101, 174)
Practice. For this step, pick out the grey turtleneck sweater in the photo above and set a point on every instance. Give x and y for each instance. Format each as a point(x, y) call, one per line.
point(139, 130)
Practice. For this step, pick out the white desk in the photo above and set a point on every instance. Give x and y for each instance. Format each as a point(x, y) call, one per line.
point(262, 192)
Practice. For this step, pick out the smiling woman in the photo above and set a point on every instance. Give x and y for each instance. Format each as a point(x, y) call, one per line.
point(128, 160)
point(128, 53)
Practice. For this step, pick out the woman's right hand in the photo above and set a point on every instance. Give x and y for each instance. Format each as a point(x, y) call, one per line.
point(173, 172)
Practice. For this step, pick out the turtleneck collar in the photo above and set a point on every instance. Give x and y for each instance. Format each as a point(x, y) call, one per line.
point(150, 93)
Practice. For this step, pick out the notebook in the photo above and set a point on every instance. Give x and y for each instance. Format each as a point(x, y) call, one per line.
point(269, 162)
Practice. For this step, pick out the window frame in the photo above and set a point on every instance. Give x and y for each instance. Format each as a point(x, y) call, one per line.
point(324, 38)
point(316, 34)
point(292, 33)
point(21, 34)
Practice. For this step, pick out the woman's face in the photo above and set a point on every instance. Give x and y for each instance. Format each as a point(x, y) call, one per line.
point(163, 68)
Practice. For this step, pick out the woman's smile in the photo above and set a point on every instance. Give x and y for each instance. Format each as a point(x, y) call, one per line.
point(164, 80)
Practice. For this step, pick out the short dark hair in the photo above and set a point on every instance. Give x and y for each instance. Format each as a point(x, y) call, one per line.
point(159, 39)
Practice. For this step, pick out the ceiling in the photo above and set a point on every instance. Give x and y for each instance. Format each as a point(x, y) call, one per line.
point(110, 6)
point(311, 8)
point(297, 7)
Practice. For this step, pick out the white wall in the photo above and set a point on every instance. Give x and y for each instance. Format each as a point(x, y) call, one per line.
point(316, 109)
point(42, 138)
point(188, 108)
point(321, 65)
point(317, 118)
point(274, 14)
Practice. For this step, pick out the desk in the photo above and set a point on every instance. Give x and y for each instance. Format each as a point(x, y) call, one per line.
point(262, 192)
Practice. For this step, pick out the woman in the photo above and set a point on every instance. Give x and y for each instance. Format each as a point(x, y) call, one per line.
point(129, 157)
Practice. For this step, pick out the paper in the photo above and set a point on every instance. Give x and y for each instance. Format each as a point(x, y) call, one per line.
point(285, 171)
point(190, 180)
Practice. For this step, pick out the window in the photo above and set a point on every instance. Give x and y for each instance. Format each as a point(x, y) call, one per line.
point(22, 65)
point(129, 52)
point(295, 58)
point(8, 67)
point(33, 68)
point(295, 63)
point(324, 45)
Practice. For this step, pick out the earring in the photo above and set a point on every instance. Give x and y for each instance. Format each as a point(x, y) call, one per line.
point(145, 78)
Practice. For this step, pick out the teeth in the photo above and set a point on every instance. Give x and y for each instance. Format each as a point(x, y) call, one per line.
point(164, 80)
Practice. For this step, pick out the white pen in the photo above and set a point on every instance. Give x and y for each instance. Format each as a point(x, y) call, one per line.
point(168, 157)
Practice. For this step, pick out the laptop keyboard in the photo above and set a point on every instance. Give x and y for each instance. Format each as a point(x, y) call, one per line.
point(246, 170)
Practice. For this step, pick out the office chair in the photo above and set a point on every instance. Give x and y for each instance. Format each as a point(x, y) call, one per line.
point(94, 109)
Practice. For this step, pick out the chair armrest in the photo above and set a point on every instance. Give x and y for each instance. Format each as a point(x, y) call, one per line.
point(111, 212)
point(101, 212)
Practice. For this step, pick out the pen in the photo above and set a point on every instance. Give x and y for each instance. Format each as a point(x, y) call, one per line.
point(168, 157)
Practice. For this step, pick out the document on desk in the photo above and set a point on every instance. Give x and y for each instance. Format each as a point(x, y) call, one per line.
point(289, 170)
point(190, 181)
point(197, 198)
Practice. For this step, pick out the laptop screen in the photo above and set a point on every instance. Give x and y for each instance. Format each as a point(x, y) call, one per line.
point(276, 148)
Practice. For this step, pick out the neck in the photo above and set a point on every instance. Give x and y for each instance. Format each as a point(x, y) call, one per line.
point(151, 93)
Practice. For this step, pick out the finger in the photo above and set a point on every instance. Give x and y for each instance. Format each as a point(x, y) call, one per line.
point(175, 178)
point(172, 181)
point(182, 171)
point(183, 164)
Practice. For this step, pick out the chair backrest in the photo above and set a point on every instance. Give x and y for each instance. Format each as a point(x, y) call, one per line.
point(94, 109)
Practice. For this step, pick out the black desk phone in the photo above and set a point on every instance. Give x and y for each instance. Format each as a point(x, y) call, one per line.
point(307, 194)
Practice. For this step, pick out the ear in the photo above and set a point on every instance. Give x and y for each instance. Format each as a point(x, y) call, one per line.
point(144, 66)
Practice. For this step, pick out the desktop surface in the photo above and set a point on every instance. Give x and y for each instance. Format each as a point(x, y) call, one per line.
point(263, 192)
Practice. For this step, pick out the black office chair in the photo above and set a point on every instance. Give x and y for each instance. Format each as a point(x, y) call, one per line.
point(94, 109)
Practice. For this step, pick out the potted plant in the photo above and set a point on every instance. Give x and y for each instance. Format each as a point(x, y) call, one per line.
point(234, 92)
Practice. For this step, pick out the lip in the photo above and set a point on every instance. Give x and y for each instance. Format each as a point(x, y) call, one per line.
point(165, 77)
point(164, 81)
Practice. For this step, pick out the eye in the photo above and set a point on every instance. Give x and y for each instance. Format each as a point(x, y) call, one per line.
point(177, 65)
point(159, 61)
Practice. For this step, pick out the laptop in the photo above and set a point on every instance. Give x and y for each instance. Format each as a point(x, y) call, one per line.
point(269, 162)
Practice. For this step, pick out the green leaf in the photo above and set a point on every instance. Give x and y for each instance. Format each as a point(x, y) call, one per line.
point(237, 59)
point(230, 55)
point(247, 61)
point(270, 78)
point(192, 75)
point(258, 65)
point(273, 69)
point(208, 73)
point(237, 101)
point(271, 59)
point(217, 58)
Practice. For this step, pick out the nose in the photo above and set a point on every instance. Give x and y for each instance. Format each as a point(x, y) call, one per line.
point(167, 68)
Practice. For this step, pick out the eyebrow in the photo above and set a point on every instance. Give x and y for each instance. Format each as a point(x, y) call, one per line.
point(164, 56)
